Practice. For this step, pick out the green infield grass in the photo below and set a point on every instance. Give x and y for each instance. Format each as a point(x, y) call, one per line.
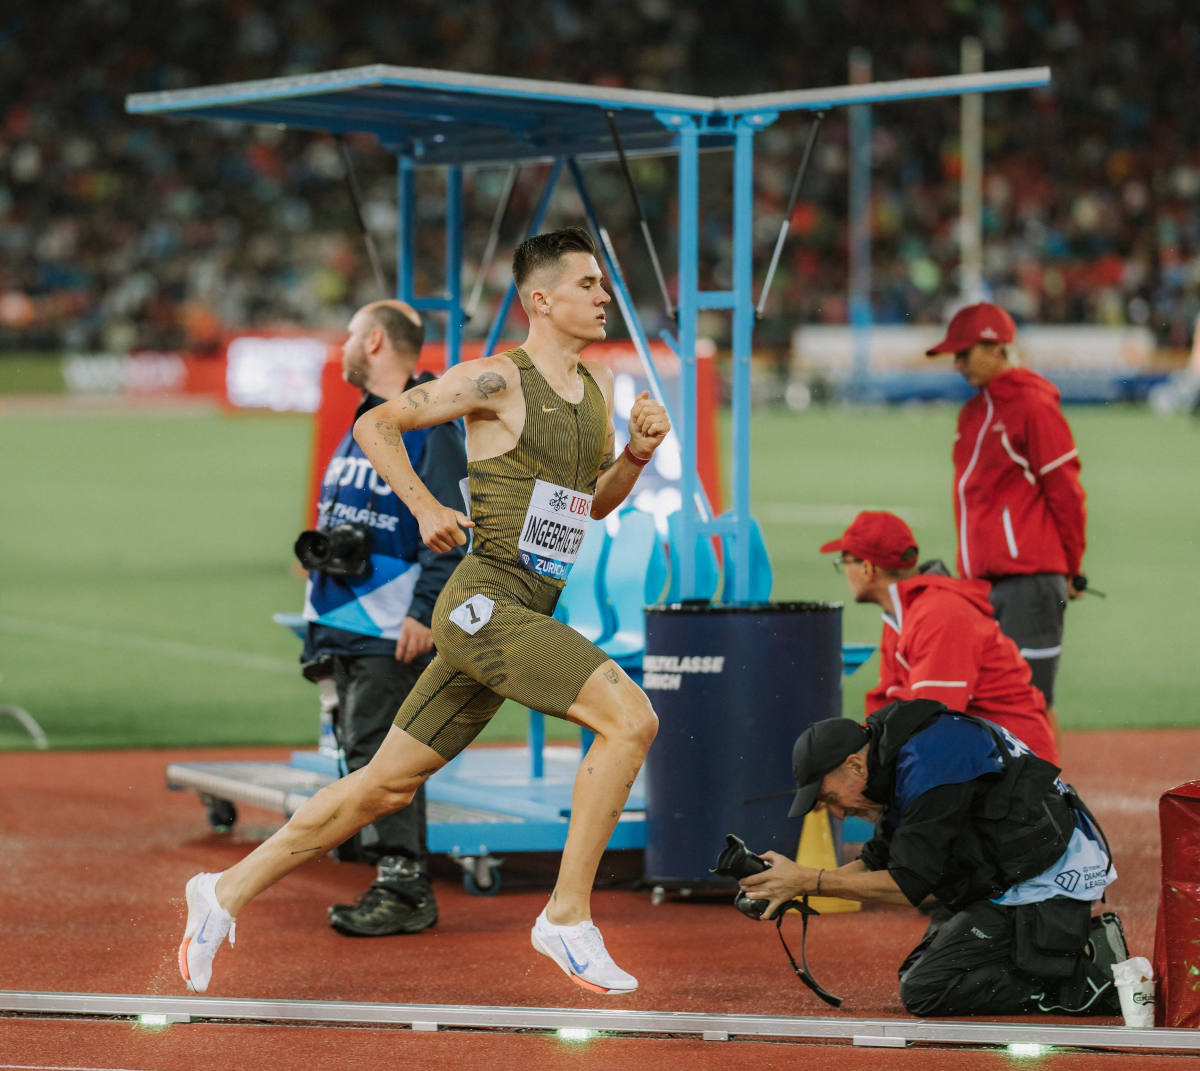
point(143, 554)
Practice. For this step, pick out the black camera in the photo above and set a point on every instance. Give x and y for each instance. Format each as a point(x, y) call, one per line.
point(343, 550)
point(737, 861)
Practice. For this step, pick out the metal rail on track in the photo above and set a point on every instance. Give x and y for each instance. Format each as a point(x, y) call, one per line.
point(880, 1032)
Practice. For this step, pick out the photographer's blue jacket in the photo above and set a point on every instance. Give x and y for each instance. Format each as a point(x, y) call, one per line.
point(971, 813)
point(364, 616)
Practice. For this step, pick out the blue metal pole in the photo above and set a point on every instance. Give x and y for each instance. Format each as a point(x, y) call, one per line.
point(743, 331)
point(535, 224)
point(454, 253)
point(860, 228)
point(406, 238)
point(688, 305)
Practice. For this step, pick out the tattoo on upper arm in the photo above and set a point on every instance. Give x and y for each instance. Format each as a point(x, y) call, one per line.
point(389, 433)
point(416, 397)
point(610, 456)
point(489, 383)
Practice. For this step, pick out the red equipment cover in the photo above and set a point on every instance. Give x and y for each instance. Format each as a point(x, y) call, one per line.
point(1177, 935)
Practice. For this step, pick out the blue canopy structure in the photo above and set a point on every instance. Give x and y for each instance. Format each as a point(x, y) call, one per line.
point(451, 120)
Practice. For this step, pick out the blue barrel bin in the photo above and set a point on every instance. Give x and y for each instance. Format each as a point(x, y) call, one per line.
point(733, 686)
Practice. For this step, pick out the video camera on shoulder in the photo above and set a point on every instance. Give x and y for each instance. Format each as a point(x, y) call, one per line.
point(343, 550)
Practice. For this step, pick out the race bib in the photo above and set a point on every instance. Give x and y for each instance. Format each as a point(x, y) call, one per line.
point(472, 615)
point(553, 530)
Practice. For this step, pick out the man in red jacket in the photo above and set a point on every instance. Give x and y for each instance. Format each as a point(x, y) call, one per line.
point(1018, 504)
point(940, 640)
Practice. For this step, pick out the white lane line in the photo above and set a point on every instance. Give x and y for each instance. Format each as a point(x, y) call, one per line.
point(194, 652)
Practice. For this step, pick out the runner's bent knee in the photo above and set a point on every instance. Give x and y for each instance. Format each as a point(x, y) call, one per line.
point(611, 705)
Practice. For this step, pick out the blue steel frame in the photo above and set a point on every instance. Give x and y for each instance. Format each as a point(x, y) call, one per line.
point(449, 119)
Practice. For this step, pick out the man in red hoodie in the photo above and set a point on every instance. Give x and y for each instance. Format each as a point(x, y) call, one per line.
point(940, 640)
point(1018, 504)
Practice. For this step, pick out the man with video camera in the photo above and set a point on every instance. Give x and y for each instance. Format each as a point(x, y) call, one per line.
point(965, 812)
point(369, 602)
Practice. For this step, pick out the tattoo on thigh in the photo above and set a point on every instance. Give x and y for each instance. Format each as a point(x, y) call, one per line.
point(427, 772)
point(489, 383)
point(611, 675)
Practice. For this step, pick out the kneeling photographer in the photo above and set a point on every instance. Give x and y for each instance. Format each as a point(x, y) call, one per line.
point(966, 813)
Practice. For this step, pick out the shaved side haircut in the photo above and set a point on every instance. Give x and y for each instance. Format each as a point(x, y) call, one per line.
point(546, 250)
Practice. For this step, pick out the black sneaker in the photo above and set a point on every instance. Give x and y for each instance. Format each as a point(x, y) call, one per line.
point(1106, 942)
point(383, 910)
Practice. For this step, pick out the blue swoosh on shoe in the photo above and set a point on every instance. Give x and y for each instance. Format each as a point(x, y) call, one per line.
point(578, 968)
point(204, 926)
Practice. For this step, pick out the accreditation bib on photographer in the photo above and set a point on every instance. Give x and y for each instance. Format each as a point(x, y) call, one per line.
point(553, 530)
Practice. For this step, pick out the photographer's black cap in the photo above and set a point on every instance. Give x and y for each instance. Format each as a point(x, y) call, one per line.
point(821, 748)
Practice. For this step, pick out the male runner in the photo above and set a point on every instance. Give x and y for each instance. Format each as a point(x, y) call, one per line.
point(540, 461)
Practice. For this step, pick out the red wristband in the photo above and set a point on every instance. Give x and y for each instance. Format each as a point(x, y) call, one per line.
point(639, 461)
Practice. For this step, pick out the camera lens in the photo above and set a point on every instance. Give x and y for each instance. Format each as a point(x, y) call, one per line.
point(312, 548)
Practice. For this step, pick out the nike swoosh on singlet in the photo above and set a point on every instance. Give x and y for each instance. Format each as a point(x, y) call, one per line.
point(549, 409)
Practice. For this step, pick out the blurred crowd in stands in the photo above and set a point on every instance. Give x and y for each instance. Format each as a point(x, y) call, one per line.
point(120, 232)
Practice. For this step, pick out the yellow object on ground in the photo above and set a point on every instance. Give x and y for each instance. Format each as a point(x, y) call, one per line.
point(816, 850)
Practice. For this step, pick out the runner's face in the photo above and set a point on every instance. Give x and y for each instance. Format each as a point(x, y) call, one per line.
point(577, 299)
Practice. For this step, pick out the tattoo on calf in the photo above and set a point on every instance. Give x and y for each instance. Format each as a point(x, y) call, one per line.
point(489, 383)
point(306, 851)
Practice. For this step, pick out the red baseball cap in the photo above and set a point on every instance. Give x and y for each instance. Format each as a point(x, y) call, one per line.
point(976, 323)
point(877, 537)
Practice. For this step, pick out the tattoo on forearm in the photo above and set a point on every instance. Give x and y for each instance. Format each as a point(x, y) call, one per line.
point(489, 383)
point(389, 433)
point(416, 397)
point(610, 459)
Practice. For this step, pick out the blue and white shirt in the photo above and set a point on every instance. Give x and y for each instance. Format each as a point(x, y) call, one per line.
point(406, 576)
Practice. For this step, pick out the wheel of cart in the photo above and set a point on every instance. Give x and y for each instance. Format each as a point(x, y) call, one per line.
point(481, 873)
point(222, 814)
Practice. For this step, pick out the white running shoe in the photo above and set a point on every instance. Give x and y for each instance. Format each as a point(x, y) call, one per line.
point(207, 924)
point(579, 950)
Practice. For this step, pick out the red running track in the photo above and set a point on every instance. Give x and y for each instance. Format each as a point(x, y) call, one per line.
point(96, 852)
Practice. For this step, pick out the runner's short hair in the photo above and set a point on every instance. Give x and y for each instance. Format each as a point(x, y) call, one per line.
point(544, 250)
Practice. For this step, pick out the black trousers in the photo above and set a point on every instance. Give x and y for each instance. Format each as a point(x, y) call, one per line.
point(370, 689)
point(981, 961)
